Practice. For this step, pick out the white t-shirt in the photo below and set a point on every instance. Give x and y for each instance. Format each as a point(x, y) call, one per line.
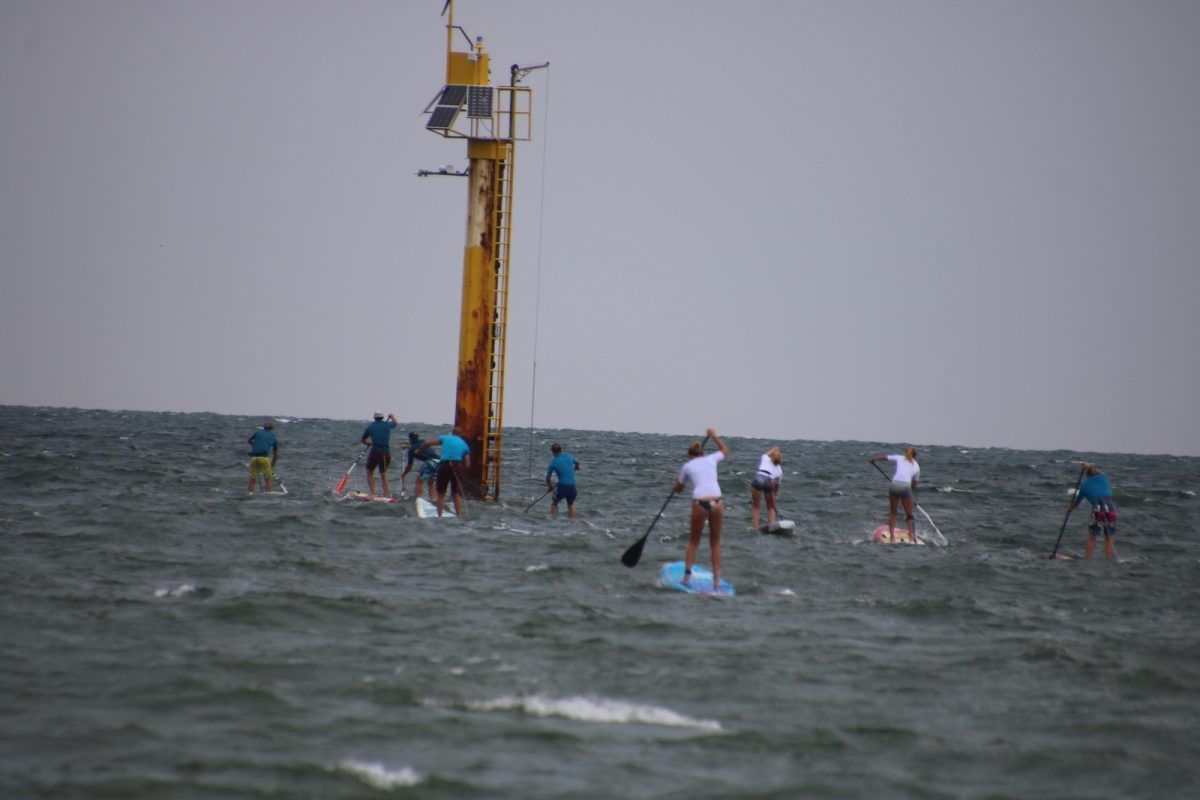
point(906, 471)
point(702, 471)
point(765, 464)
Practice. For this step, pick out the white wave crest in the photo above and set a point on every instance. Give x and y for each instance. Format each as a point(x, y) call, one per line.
point(380, 776)
point(590, 709)
point(178, 591)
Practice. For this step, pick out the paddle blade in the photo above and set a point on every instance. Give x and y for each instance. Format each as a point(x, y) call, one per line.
point(634, 554)
point(341, 485)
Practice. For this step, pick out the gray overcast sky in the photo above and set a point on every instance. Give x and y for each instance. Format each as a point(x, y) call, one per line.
point(967, 223)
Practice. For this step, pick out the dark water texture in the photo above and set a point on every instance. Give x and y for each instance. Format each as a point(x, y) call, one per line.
point(166, 636)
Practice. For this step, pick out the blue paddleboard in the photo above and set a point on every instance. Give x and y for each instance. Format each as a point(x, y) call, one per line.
point(701, 581)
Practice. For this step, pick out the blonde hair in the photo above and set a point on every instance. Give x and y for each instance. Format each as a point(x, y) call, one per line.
point(697, 449)
point(775, 455)
point(911, 453)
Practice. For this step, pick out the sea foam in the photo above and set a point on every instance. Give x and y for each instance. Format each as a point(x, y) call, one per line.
point(594, 709)
point(380, 776)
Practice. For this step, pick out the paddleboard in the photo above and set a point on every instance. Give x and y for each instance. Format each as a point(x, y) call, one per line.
point(783, 527)
point(882, 536)
point(701, 581)
point(368, 498)
point(426, 509)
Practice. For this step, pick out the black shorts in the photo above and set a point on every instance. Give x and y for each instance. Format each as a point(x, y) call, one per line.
point(447, 475)
point(565, 491)
point(378, 459)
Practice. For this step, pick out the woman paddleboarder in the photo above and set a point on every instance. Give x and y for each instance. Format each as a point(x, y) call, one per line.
point(701, 470)
point(904, 483)
point(765, 483)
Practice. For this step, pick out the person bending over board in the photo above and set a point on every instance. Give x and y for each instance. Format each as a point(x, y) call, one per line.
point(564, 465)
point(261, 442)
point(429, 465)
point(701, 470)
point(380, 435)
point(1098, 492)
point(904, 483)
point(765, 483)
point(456, 454)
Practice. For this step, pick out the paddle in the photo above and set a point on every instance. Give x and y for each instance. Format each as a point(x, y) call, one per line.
point(341, 485)
point(535, 502)
point(875, 464)
point(1070, 508)
point(633, 555)
point(279, 482)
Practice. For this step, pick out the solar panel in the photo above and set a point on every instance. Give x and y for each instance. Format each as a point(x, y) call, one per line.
point(453, 95)
point(442, 118)
point(479, 102)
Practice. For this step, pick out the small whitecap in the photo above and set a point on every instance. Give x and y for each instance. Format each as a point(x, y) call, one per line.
point(380, 776)
point(787, 593)
point(537, 568)
point(181, 590)
point(593, 709)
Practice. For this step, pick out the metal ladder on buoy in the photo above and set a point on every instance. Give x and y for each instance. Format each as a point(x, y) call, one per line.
point(493, 430)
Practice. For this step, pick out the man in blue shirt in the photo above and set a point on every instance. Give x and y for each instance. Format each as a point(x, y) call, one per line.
point(564, 465)
point(456, 454)
point(429, 464)
point(380, 435)
point(263, 442)
point(1097, 490)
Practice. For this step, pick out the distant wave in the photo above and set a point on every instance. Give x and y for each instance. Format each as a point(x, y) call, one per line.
point(587, 709)
point(378, 775)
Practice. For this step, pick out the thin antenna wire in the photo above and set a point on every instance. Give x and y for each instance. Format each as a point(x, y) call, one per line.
point(537, 306)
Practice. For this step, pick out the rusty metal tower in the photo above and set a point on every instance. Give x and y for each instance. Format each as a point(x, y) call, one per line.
point(492, 119)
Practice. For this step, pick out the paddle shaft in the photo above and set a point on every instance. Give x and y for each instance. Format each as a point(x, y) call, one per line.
point(341, 485)
point(1070, 508)
point(633, 555)
point(535, 502)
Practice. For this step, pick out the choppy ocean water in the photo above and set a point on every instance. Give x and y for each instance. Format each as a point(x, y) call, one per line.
point(166, 636)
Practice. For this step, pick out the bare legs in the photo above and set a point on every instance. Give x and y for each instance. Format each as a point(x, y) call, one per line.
point(893, 501)
point(1110, 550)
point(387, 490)
point(715, 519)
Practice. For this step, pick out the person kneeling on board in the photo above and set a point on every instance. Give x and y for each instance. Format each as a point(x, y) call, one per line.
point(380, 435)
point(456, 454)
point(765, 483)
point(701, 470)
point(1098, 492)
point(904, 483)
point(262, 442)
point(564, 465)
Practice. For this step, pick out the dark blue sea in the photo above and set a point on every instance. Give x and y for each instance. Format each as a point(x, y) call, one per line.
point(167, 636)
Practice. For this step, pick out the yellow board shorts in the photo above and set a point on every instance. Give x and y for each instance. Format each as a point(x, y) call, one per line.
point(260, 465)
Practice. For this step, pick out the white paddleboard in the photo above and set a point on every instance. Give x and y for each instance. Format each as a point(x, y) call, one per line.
point(883, 536)
point(783, 527)
point(368, 498)
point(426, 509)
